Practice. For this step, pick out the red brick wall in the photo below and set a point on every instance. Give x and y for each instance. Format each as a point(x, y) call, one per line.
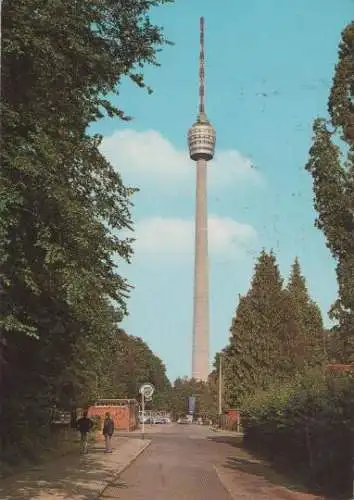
point(230, 418)
point(333, 368)
point(233, 414)
point(121, 416)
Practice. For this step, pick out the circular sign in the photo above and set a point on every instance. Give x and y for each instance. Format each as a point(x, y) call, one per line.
point(147, 390)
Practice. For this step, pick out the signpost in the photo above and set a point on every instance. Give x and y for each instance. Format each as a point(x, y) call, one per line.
point(146, 391)
point(191, 408)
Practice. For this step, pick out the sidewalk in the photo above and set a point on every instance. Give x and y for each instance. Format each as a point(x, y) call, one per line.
point(74, 477)
point(242, 486)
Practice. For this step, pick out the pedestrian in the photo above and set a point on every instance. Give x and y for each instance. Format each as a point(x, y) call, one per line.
point(108, 430)
point(84, 425)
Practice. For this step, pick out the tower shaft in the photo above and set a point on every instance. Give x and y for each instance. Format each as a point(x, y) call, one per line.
point(200, 353)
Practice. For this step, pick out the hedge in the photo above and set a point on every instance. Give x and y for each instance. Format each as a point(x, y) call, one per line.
point(306, 425)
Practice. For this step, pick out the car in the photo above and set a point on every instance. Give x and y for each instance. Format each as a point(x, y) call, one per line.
point(183, 420)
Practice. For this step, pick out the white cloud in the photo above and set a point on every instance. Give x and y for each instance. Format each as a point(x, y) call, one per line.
point(228, 239)
point(150, 156)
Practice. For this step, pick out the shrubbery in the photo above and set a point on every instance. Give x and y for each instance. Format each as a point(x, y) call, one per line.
point(306, 426)
point(97, 423)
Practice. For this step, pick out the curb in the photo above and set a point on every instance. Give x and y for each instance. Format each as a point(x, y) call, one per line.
point(223, 484)
point(124, 467)
point(137, 454)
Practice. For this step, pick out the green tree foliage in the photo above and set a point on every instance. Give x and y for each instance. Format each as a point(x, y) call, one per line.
point(334, 346)
point(275, 333)
point(213, 381)
point(63, 206)
point(137, 364)
point(310, 345)
point(305, 426)
point(260, 335)
point(331, 164)
point(205, 401)
point(308, 422)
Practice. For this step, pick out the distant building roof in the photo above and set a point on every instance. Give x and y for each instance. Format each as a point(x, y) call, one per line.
point(116, 402)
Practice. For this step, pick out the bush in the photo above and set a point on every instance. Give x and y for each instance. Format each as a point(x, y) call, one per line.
point(97, 423)
point(307, 425)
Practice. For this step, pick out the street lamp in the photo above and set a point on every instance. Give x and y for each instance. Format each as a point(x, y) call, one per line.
point(220, 385)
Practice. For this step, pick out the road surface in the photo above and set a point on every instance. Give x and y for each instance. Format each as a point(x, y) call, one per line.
point(178, 465)
point(187, 462)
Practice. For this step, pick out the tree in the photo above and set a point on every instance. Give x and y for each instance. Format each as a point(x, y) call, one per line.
point(263, 335)
point(63, 206)
point(331, 164)
point(310, 348)
point(334, 348)
point(214, 380)
point(55, 182)
point(205, 402)
point(135, 365)
point(240, 365)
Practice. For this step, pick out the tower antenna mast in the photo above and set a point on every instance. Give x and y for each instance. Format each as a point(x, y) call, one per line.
point(201, 70)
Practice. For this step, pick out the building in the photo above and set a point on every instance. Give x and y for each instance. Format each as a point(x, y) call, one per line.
point(201, 142)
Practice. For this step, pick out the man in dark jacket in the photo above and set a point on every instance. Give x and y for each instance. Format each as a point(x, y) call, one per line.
point(84, 425)
point(108, 430)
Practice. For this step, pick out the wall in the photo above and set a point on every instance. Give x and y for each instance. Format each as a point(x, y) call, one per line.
point(121, 415)
point(231, 419)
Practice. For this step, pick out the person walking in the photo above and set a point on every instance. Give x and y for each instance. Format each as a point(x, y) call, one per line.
point(108, 430)
point(210, 424)
point(84, 425)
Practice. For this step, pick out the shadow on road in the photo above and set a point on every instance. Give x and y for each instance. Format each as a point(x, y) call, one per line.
point(228, 439)
point(112, 490)
point(260, 468)
point(257, 466)
point(69, 477)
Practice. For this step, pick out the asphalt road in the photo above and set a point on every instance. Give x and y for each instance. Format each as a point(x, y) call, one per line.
point(178, 465)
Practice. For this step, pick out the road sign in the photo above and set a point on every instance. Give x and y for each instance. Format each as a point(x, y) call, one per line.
point(147, 390)
point(191, 405)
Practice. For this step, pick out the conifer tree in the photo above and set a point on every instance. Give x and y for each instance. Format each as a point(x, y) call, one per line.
point(331, 164)
point(309, 346)
point(261, 334)
point(272, 319)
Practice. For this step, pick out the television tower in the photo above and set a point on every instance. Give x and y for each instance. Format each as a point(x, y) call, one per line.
point(201, 142)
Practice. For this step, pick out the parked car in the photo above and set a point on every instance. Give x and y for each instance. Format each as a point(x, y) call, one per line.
point(183, 420)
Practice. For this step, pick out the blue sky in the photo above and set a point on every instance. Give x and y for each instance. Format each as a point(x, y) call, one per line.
point(269, 65)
